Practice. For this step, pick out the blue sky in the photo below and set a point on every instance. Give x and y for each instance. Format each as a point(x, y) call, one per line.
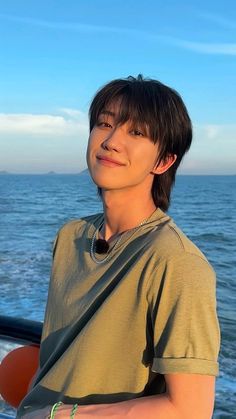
point(54, 55)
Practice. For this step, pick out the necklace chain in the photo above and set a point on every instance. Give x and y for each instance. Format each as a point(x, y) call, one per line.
point(92, 253)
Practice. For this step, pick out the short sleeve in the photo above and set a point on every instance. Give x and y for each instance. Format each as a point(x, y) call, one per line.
point(185, 328)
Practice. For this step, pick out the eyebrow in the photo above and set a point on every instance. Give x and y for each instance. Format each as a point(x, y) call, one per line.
point(113, 114)
point(106, 112)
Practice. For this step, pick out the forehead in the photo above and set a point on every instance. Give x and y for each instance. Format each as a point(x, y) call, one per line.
point(112, 108)
point(126, 108)
point(122, 111)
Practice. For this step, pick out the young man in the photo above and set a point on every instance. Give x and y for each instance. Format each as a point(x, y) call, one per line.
point(130, 329)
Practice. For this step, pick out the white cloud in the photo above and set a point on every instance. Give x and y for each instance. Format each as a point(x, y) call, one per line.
point(73, 122)
point(212, 131)
point(76, 27)
point(207, 48)
point(198, 47)
point(213, 150)
point(41, 143)
point(74, 113)
point(218, 133)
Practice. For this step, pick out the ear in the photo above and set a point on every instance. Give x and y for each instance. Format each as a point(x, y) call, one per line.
point(164, 164)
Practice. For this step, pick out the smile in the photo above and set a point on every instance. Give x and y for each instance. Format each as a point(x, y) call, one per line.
point(107, 161)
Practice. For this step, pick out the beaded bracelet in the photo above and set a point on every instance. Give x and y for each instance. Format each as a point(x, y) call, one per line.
point(73, 411)
point(54, 408)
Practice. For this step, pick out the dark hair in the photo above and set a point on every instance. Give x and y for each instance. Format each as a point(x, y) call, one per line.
point(157, 109)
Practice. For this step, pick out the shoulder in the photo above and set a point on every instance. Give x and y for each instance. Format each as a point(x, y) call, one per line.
point(173, 242)
point(76, 227)
point(179, 263)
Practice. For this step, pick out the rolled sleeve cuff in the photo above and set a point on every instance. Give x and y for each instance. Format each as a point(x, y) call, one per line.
point(185, 365)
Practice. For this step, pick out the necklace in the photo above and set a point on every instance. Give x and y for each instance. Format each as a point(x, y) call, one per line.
point(92, 253)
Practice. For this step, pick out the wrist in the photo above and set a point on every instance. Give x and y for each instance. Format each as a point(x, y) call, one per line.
point(53, 410)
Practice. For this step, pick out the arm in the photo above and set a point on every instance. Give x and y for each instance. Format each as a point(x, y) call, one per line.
point(187, 396)
point(192, 395)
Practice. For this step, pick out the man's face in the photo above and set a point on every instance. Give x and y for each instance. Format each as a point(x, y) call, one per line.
point(121, 156)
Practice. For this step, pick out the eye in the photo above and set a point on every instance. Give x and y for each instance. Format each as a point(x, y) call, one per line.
point(103, 124)
point(137, 133)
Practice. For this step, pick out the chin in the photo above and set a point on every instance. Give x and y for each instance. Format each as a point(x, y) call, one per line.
point(104, 181)
point(107, 186)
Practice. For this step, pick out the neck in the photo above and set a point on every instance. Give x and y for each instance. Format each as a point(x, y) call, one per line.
point(124, 211)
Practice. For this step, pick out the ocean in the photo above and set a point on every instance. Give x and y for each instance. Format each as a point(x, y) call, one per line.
point(34, 207)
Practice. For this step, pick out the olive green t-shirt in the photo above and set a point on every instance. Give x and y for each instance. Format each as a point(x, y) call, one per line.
point(112, 330)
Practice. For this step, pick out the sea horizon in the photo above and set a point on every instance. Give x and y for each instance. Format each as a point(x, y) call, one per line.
point(52, 172)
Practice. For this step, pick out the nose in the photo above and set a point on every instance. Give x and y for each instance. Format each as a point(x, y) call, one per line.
point(113, 140)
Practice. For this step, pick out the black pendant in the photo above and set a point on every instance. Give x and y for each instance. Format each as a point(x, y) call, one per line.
point(101, 246)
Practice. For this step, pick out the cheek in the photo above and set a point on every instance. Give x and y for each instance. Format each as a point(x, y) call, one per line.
point(93, 141)
point(146, 158)
point(152, 157)
point(90, 151)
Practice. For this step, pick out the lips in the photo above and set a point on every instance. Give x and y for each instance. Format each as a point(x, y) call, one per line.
point(109, 161)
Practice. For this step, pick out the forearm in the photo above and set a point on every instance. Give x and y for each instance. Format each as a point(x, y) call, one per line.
point(187, 396)
point(151, 407)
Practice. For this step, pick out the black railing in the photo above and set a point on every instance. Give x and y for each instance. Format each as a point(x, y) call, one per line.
point(19, 330)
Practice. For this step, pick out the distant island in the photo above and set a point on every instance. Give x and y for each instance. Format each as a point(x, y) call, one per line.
point(50, 173)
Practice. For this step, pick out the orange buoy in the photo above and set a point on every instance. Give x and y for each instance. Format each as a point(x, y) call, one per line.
point(16, 372)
